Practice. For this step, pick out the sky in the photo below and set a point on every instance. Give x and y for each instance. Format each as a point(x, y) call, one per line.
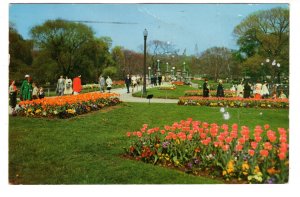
point(194, 27)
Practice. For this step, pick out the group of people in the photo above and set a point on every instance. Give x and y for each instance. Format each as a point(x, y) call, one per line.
point(67, 86)
point(105, 83)
point(133, 81)
point(28, 91)
point(245, 90)
point(156, 80)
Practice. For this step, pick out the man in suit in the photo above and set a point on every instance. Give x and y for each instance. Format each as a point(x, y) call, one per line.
point(127, 82)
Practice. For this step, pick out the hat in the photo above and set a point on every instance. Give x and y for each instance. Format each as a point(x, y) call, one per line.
point(26, 76)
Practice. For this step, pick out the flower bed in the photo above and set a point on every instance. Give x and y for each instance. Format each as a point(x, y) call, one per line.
point(234, 102)
point(90, 86)
point(213, 93)
point(167, 87)
point(260, 156)
point(178, 83)
point(67, 106)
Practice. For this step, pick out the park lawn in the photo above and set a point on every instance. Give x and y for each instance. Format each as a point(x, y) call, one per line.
point(166, 94)
point(88, 149)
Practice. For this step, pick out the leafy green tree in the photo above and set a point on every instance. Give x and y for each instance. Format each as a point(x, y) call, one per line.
point(265, 34)
point(110, 71)
point(119, 61)
point(64, 42)
point(20, 51)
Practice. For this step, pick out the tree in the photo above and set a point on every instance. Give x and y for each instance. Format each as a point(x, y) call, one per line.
point(20, 51)
point(159, 50)
point(265, 34)
point(63, 40)
point(215, 62)
point(119, 61)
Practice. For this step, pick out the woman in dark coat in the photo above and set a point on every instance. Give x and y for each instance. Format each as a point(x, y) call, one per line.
point(205, 89)
point(220, 90)
point(247, 90)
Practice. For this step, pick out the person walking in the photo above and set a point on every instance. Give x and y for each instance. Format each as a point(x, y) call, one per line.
point(101, 83)
point(220, 89)
point(265, 91)
point(257, 89)
point(109, 83)
point(35, 91)
point(13, 96)
point(26, 89)
point(41, 93)
point(240, 90)
point(77, 87)
point(60, 86)
point(127, 82)
point(247, 90)
point(205, 88)
point(68, 86)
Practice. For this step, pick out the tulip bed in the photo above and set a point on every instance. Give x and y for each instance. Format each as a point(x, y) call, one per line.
point(67, 106)
point(230, 152)
point(167, 87)
point(233, 102)
point(213, 93)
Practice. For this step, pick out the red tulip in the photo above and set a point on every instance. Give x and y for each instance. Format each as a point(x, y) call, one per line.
point(282, 156)
point(266, 126)
point(128, 134)
point(254, 145)
point(264, 153)
point(251, 152)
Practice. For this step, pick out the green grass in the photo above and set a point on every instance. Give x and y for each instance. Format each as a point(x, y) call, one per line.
point(168, 94)
point(88, 149)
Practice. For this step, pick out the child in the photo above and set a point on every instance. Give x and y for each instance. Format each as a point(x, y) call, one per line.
point(41, 93)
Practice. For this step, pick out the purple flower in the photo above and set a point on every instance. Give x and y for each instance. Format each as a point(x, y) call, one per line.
point(165, 144)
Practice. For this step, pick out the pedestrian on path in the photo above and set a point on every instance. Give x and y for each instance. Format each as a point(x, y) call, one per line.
point(109, 83)
point(77, 85)
point(26, 89)
point(13, 96)
point(127, 82)
point(60, 86)
point(101, 83)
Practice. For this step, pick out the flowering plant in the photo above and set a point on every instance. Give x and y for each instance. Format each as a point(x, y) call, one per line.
point(178, 83)
point(67, 106)
point(233, 102)
point(213, 93)
point(167, 87)
point(260, 156)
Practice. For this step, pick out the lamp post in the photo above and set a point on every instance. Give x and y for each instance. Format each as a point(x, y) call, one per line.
point(149, 68)
point(167, 67)
point(158, 69)
point(173, 71)
point(144, 81)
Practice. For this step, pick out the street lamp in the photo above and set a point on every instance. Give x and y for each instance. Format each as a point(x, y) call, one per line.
point(145, 33)
point(158, 66)
point(149, 68)
point(167, 67)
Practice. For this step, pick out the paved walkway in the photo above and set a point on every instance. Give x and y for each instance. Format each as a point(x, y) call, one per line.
point(127, 97)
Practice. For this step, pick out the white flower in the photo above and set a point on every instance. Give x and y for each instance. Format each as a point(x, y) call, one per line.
point(226, 116)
